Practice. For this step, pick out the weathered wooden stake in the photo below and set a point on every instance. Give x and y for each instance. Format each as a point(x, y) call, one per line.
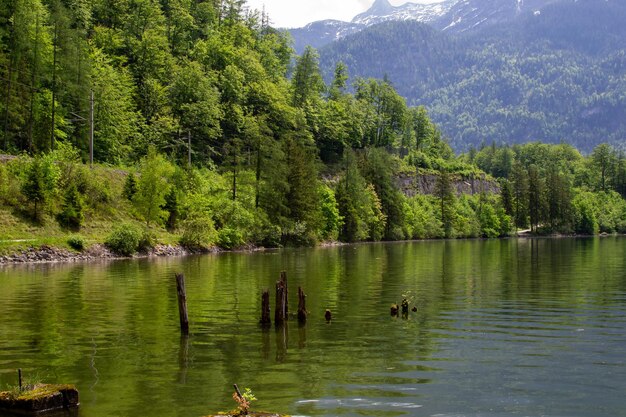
point(283, 278)
point(265, 309)
point(394, 310)
point(182, 303)
point(301, 306)
point(328, 315)
point(280, 313)
point(237, 391)
point(19, 377)
point(405, 307)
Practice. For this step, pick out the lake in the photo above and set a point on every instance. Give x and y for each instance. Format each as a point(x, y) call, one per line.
point(519, 327)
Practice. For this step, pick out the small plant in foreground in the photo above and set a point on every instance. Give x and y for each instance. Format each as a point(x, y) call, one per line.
point(243, 400)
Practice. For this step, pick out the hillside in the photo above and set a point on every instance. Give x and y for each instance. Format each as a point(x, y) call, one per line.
point(162, 122)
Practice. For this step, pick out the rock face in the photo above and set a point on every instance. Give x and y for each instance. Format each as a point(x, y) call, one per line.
point(411, 185)
point(40, 398)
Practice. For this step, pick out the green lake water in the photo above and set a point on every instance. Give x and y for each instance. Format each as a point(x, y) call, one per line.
point(526, 327)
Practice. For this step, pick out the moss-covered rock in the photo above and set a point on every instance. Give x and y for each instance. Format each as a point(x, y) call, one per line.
point(40, 397)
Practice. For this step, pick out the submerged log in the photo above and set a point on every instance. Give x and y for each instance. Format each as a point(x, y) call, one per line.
point(39, 398)
point(265, 309)
point(301, 306)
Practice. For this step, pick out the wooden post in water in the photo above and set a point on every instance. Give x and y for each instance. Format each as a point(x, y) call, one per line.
point(301, 306)
point(283, 278)
point(280, 314)
point(265, 309)
point(328, 315)
point(405, 308)
point(19, 378)
point(182, 303)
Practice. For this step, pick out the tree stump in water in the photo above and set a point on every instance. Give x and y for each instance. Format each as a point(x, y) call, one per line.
point(301, 306)
point(265, 309)
point(283, 278)
point(405, 308)
point(328, 315)
point(39, 398)
point(280, 314)
point(394, 310)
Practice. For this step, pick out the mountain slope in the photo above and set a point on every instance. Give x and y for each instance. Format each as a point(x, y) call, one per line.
point(552, 74)
point(453, 16)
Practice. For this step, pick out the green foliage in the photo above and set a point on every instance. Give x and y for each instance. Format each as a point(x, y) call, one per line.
point(125, 239)
point(130, 187)
point(446, 198)
point(585, 221)
point(153, 186)
point(489, 221)
point(379, 171)
point(331, 218)
point(206, 87)
point(487, 83)
point(71, 215)
point(172, 208)
point(198, 232)
point(230, 238)
point(421, 217)
point(359, 205)
point(76, 242)
point(35, 186)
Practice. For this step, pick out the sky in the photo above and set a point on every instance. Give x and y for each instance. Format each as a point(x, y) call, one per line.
point(297, 13)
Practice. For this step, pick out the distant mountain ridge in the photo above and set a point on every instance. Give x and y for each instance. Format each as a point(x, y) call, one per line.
point(453, 16)
point(383, 11)
point(508, 71)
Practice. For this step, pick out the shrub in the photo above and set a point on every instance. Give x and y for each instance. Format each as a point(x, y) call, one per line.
point(198, 232)
point(230, 238)
point(124, 240)
point(265, 233)
point(298, 234)
point(76, 242)
point(147, 241)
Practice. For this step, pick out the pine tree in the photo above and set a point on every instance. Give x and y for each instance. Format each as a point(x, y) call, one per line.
point(33, 187)
point(71, 214)
point(536, 197)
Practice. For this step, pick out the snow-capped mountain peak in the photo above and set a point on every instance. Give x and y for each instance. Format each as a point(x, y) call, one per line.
point(383, 11)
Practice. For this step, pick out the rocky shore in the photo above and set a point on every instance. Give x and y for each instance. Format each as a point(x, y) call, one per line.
point(48, 254)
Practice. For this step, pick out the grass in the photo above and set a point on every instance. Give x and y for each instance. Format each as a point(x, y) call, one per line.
point(105, 208)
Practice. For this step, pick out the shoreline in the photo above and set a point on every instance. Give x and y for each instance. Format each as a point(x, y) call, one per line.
point(46, 254)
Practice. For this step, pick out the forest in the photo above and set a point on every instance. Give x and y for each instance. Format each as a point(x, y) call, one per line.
point(143, 121)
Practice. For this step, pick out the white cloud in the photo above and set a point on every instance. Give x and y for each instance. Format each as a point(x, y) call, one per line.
point(297, 13)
